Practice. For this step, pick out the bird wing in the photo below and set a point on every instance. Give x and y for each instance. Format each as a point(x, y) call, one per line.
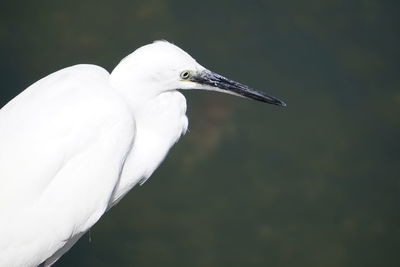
point(63, 143)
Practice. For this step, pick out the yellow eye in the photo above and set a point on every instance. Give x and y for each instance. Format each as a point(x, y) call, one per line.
point(185, 74)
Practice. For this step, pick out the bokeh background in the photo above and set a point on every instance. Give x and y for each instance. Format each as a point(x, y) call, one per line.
point(314, 184)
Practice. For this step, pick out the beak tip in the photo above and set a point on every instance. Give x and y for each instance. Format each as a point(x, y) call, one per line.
point(276, 101)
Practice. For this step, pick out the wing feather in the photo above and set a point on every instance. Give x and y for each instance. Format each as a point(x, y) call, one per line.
point(63, 143)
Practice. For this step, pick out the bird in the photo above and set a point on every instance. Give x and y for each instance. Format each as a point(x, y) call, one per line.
point(74, 143)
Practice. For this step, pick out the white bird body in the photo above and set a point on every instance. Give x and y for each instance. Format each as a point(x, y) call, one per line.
point(100, 118)
point(75, 142)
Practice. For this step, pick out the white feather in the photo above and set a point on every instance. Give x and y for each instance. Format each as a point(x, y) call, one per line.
point(75, 142)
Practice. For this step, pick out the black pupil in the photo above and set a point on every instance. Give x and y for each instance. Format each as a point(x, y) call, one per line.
point(185, 74)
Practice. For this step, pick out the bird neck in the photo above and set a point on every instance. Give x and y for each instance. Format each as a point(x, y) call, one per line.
point(135, 96)
point(160, 122)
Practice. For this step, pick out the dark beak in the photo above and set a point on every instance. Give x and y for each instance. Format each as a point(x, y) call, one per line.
point(223, 84)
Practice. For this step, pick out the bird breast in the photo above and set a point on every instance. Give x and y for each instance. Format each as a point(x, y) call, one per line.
point(159, 125)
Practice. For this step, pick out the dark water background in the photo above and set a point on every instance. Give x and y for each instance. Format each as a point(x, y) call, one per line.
point(315, 184)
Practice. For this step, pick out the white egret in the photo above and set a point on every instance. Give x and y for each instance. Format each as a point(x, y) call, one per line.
point(75, 142)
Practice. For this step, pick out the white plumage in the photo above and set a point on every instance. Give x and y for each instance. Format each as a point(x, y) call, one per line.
point(75, 142)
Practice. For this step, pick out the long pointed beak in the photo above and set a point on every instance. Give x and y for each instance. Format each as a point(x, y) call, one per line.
point(217, 82)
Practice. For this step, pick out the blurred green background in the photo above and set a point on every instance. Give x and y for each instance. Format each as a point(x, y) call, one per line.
point(315, 184)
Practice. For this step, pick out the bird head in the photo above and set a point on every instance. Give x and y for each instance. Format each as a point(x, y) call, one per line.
point(163, 66)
